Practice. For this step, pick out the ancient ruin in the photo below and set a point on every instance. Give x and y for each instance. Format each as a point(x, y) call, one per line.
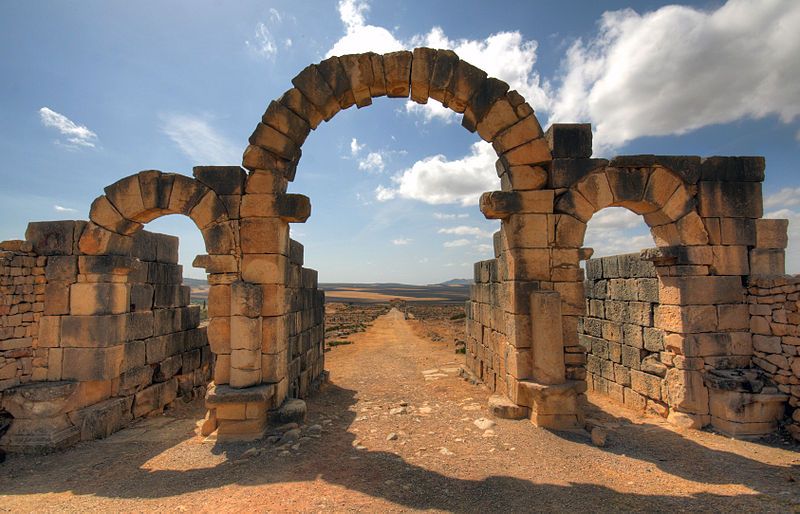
point(95, 326)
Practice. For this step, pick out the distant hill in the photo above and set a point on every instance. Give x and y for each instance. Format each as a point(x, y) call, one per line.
point(456, 282)
point(195, 282)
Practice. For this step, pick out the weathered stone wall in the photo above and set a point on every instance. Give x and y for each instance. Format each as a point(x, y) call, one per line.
point(775, 324)
point(488, 354)
point(113, 337)
point(625, 357)
point(22, 286)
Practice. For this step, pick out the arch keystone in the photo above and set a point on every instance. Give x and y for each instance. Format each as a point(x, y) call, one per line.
point(358, 68)
point(397, 67)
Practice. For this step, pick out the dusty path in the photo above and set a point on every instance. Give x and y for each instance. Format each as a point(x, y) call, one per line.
point(370, 452)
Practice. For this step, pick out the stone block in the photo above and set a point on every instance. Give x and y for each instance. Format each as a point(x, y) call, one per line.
point(767, 261)
point(219, 335)
point(61, 268)
point(93, 331)
point(245, 334)
point(733, 169)
point(51, 237)
point(226, 180)
point(274, 141)
point(444, 66)
point(299, 104)
point(547, 338)
point(699, 290)
point(738, 231)
point(628, 186)
point(771, 233)
point(155, 188)
point(242, 378)
point(155, 397)
point(92, 363)
point(185, 194)
point(521, 132)
point(730, 199)
point(56, 298)
point(103, 419)
point(523, 178)
point(333, 72)
point(466, 81)
point(311, 83)
point(422, 64)
point(686, 319)
point(570, 140)
point(274, 366)
point(488, 93)
point(264, 268)
point(646, 384)
point(686, 392)
point(87, 299)
point(730, 260)
point(397, 72)
point(531, 153)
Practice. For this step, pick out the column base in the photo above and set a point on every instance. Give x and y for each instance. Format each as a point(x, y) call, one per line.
point(553, 406)
point(238, 414)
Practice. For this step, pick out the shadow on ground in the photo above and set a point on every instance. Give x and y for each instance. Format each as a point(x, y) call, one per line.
point(121, 471)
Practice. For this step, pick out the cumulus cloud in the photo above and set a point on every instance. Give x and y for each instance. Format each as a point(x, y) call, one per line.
point(464, 230)
point(617, 230)
point(199, 141)
point(401, 241)
point(360, 37)
point(616, 218)
point(786, 197)
point(676, 69)
point(355, 147)
point(445, 216)
point(457, 243)
point(436, 180)
point(372, 162)
point(263, 42)
point(61, 208)
point(77, 136)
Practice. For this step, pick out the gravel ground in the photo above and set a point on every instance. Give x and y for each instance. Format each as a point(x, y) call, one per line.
point(397, 430)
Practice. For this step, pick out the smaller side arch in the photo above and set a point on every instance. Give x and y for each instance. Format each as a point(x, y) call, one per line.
point(666, 202)
point(137, 199)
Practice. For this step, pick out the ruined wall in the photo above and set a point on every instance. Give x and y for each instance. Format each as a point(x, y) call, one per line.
point(489, 356)
point(775, 323)
point(625, 357)
point(305, 327)
point(113, 337)
point(22, 286)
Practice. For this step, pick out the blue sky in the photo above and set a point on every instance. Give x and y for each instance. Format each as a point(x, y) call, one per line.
point(93, 91)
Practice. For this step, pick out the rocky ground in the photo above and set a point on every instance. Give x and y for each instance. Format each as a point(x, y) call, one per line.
point(397, 430)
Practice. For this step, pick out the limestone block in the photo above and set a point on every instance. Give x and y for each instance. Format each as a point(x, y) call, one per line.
point(499, 117)
point(686, 319)
point(444, 66)
point(245, 335)
point(771, 233)
point(274, 141)
point(93, 331)
point(126, 197)
point(56, 298)
point(92, 363)
point(526, 231)
point(570, 140)
point(259, 205)
point(733, 169)
point(767, 261)
point(733, 317)
point(527, 264)
point(61, 268)
point(646, 384)
point(574, 204)
point(256, 158)
point(274, 299)
point(332, 71)
point(274, 366)
point(159, 348)
point(224, 180)
point(154, 397)
point(569, 231)
point(378, 86)
point(285, 121)
point(264, 268)
point(566, 172)
point(738, 231)
point(222, 369)
point(730, 199)
point(88, 299)
point(661, 187)
point(106, 215)
point(219, 301)
point(532, 152)
point(241, 378)
point(219, 334)
point(185, 194)
point(536, 202)
point(523, 178)
point(679, 204)
point(265, 182)
point(466, 81)
point(294, 208)
point(234, 411)
point(314, 87)
point(628, 185)
point(156, 188)
point(423, 62)
point(547, 341)
point(40, 399)
point(264, 235)
point(500, 204)
point(524, 130)
point(51, 237)
point(294, 100)
point(595, 189)
point(397, 69)
point(730, 260)
point(134, 355)
point(718, 343)
point(214, 264)
point(686, 392)
point(295, 252)
point(167, 368)
point(43, 435)
point(700, 290)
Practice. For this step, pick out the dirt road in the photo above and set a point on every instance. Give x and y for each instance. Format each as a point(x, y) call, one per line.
point(396, 430)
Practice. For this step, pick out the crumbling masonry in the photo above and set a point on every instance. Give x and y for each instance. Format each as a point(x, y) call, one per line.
point(95, 328)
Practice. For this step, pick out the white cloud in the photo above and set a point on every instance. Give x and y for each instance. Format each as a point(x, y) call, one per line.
point(274, 15)
point(401, 241)
point(677, 69)
point(77, 135)
point(615, 243)
point(457, 243)
point(436, 180)
point(444, 216)
point(288, 42)
point(431, 111)
point(355, 147)
point(360, 37)
point(616, 218)
point(464, 230)
point(263, 42)
point(485, 248)
point(786, 197)
point(199, 141)
point(372, 162)
point(61, 208)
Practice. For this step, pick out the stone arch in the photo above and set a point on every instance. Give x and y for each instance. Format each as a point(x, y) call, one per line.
point(656, 193)
point(137, 199)
point(499, 115)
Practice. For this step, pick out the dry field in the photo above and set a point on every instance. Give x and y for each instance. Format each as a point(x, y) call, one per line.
point(397, 430)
